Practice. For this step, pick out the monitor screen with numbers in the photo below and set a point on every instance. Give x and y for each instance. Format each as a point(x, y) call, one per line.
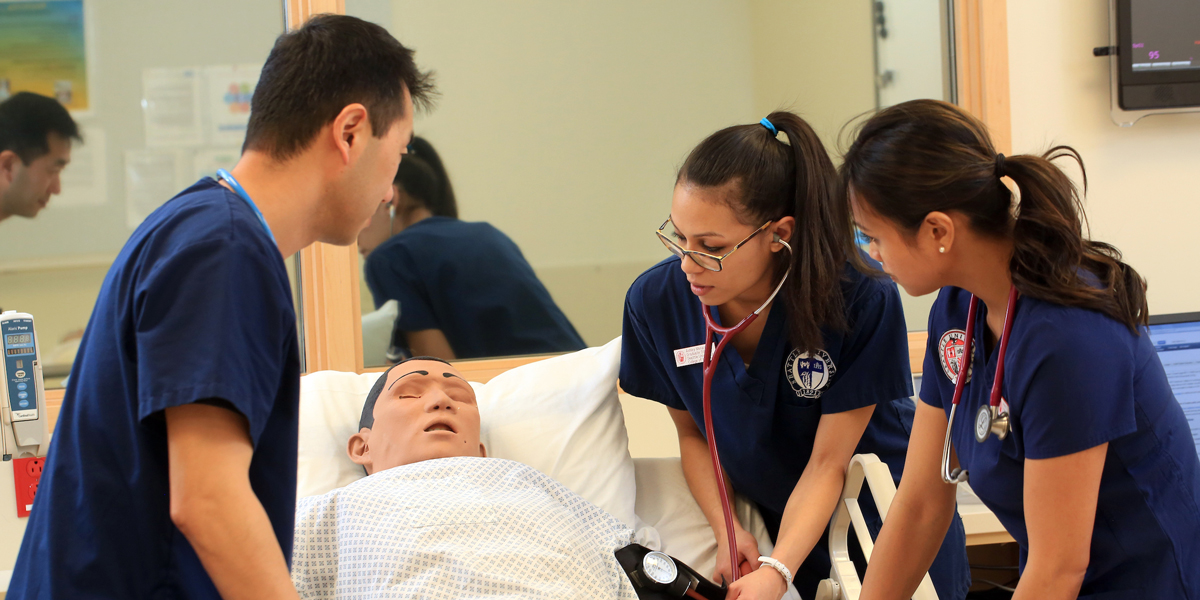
point(1159, 52)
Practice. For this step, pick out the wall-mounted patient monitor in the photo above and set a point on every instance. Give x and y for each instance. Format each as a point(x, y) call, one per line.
point(1154, 53)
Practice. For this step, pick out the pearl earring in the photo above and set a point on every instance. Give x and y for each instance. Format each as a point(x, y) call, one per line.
point(941, 249)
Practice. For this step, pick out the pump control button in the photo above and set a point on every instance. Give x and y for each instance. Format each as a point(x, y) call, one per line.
point(19, 374)
point(22, 386)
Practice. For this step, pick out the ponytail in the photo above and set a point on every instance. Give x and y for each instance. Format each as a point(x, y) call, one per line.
point(924, 156)
point(793, 178)
point(423, 177)
point(1052, 260)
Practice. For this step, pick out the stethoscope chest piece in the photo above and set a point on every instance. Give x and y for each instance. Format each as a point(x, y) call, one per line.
point(990, 420)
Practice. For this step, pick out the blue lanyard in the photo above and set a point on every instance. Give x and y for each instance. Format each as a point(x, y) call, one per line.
point(237, 187)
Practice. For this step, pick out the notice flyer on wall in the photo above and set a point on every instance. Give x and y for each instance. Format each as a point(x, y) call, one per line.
point(151, 178)
point(85, 181)
point(43, 49)
point(229, 89)
point(172, 101)
point(206, 162)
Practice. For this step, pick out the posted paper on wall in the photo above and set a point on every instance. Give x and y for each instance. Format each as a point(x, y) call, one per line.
point(151, 178)
point(172, 102)
point(43, 50)
point(206, 162)
point(229, 89)
point(85, 179)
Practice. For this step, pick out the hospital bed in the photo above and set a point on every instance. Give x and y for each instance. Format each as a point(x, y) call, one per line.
point(564, 417)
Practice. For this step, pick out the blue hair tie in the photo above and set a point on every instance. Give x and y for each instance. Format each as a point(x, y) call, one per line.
point(765, 122)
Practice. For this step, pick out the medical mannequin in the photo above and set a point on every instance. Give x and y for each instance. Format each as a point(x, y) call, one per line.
point(820, 375)
point(1096, 475)
point(436, 518)
point(35, 146)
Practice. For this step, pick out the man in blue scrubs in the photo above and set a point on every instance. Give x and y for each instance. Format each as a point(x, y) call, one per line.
point(172, 472)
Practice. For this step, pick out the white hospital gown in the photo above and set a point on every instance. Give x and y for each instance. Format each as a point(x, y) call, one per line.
point(457, 528)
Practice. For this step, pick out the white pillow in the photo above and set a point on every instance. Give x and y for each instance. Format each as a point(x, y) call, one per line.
point(559, 415)
point(377, 332)
point(665, 502)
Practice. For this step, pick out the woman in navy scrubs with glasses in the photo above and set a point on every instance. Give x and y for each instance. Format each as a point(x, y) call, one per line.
point(822, 374)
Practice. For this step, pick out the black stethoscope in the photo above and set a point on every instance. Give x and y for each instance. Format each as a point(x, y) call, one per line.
point(227, 177)
point(990, 419)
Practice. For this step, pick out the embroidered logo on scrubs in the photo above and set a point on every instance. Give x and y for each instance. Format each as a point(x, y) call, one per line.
point(809, 374)
point(950, 353)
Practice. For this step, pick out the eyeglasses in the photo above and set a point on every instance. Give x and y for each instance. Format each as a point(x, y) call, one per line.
point(705, 260)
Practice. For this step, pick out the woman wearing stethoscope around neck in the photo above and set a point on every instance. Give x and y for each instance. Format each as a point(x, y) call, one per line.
point(1078, 445)
point(822, 373)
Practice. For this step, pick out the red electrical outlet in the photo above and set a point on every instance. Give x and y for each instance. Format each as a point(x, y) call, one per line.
point(27, 473)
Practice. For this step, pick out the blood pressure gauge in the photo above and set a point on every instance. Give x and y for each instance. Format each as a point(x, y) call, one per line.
point(659, 568)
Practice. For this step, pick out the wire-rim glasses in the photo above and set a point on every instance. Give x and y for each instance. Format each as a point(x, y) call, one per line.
point(707, 261)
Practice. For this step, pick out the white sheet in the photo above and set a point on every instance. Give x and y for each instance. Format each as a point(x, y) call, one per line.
point(457, 528)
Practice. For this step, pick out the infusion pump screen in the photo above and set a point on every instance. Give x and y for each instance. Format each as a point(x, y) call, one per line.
point(18, 351)
point(21, 338)
point(1165, 35)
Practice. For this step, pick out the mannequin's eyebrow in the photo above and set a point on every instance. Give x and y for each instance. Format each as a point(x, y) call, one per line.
point(406, 375)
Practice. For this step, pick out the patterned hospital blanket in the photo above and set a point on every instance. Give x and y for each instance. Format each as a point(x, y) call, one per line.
point(457, 528)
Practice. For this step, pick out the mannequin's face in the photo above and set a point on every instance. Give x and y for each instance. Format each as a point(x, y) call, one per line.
point(425, 411)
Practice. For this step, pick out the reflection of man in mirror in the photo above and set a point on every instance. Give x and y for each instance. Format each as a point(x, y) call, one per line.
point(465, 290)
point(35, 146)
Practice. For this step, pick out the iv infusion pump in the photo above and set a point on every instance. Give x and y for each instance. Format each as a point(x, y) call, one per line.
point(23, 422)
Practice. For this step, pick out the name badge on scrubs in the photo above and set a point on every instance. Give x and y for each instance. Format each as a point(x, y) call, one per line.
point(690, 356)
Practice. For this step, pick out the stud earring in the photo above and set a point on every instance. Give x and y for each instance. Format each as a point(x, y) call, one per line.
point(941, 249)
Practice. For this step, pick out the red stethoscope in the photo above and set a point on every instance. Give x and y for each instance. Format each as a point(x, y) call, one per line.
point(711, 356)
point(990, 419)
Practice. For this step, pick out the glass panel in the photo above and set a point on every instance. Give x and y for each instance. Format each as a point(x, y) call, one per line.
point(160, 92)
point(561, 126)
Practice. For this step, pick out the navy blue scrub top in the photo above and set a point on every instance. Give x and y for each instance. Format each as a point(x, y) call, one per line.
point(196, 307)
point(766, 416)
point(1075, 379)
point(472, 282)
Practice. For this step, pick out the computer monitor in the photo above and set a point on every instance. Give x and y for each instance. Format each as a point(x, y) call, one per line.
point(1177, 339)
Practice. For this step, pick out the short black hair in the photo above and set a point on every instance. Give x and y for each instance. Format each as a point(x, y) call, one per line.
point(368, 413)
point(26, 121)
point(316, 71)
point(423, 177)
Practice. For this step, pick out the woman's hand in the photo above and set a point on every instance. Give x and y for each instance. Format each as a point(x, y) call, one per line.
point(748, 555)
point(764, 584)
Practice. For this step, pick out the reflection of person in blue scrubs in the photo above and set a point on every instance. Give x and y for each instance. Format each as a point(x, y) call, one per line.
point(465, 290)
point(172, 472)
point(35, 147)
point(823, 376)
point(1097, 478)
